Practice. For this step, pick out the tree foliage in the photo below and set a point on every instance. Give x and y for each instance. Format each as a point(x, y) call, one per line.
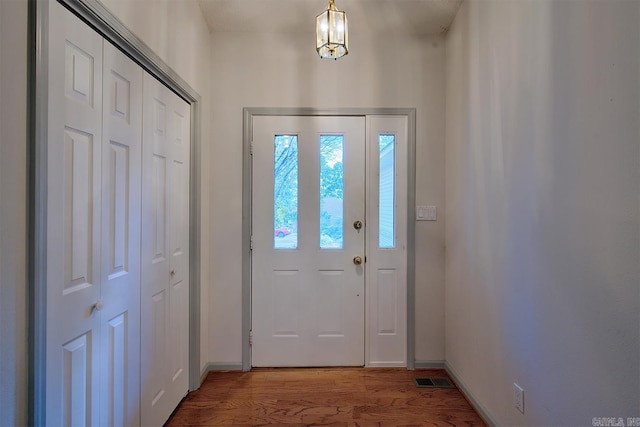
point(286, 182)
point(285, 191)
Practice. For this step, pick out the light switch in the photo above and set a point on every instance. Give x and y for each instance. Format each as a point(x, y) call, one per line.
point(426, 213)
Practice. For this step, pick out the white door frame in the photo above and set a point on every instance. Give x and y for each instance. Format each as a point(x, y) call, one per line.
point(247, 179)
point(112, 29)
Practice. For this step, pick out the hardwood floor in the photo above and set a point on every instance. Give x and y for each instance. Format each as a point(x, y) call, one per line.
point(323, 396)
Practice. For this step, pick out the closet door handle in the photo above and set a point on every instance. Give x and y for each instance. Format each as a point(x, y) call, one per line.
point(97, 306)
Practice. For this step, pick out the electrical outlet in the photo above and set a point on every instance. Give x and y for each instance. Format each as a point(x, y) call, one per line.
point(518, 397)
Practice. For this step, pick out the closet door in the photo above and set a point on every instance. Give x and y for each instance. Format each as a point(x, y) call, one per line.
point(93, 228)
point(121, 193)
point(74, 162)
point(179, 149)
point(165, 254)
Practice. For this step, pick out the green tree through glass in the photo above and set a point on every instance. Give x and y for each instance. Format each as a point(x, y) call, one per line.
point(331, 191)
point(285, 192)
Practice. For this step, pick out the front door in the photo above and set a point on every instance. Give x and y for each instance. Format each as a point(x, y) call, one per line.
point(308, 241)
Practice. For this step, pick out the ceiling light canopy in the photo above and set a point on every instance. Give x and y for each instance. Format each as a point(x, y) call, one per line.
point(331, 33)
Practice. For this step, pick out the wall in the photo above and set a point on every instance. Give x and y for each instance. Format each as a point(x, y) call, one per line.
point(13, 212)
point(177, 32)
point(542, 193)
point(252, 69)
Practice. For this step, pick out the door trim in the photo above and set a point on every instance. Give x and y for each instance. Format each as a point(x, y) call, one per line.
point(247, 179)
point(112, 29)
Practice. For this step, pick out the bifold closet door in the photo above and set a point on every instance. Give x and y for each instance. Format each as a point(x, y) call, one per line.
point(93, 228)
point(74, 163)
point(165, 252)
point(121, 218)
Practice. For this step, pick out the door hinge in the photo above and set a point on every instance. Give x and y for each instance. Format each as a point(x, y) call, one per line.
point(251, 338)
point(251, 243)
point(251, 148)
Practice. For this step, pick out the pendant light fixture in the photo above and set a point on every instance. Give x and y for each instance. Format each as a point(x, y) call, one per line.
point(331, 33)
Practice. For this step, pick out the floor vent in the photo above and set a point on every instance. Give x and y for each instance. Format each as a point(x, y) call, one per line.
point(433, 383)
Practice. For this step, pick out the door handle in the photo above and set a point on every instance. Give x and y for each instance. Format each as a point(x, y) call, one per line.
point(97, 306)
point(357, 225)
point(357, 260)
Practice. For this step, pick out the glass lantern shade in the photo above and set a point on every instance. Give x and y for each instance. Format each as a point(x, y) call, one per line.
point(332, 40)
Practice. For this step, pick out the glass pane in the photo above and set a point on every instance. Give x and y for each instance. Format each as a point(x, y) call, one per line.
point(285, 192)
point(331, 191)
point(387, 187)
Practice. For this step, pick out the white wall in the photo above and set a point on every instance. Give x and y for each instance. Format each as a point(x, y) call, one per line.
point(542, 193)
point(251, 69)
point(13, 211)
point(177, 32)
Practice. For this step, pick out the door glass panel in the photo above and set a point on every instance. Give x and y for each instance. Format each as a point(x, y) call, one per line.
point(331, 192)
point(285, 192)
point(386, 205)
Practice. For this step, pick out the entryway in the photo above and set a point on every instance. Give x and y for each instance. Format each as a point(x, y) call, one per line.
point(328, 244)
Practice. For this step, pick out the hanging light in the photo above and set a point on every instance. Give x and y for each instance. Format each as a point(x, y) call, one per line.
point(331, 33)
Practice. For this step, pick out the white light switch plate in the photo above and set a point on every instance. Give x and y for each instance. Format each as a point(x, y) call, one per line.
point(426, 213)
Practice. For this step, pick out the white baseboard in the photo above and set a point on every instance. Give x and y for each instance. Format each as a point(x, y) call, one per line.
point(216, 366)
point(484, 413)
point(386, 365)
point(430, 364)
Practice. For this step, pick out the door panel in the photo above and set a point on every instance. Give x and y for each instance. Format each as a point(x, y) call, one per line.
point(179, 127)
point(387, 241)
point(120, 282)
point(73, 221)
point(155, 407)
point(307, 294)
point(77, 374)
point(165, 252)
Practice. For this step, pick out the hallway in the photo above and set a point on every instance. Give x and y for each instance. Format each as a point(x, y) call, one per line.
point(337, 396)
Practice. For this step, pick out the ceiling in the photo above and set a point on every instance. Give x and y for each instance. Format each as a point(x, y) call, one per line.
point(426, 17)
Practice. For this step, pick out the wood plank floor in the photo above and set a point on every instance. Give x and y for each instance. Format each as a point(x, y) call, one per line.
point(323, 396)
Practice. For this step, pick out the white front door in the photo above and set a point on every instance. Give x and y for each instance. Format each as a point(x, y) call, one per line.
point(308, 241)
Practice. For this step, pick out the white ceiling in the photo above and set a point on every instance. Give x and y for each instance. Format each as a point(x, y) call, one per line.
point(425, 17)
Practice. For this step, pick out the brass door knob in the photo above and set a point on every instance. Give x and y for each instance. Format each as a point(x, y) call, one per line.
point(357, 260)
point(357, 225)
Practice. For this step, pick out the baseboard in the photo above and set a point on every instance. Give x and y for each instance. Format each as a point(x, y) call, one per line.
point(430, 364)
point(215, 366)
point(386, 365)
point(480, 409)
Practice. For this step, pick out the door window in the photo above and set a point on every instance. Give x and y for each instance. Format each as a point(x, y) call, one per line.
point(386, 204)
point(331, 192)
point(285, 192)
